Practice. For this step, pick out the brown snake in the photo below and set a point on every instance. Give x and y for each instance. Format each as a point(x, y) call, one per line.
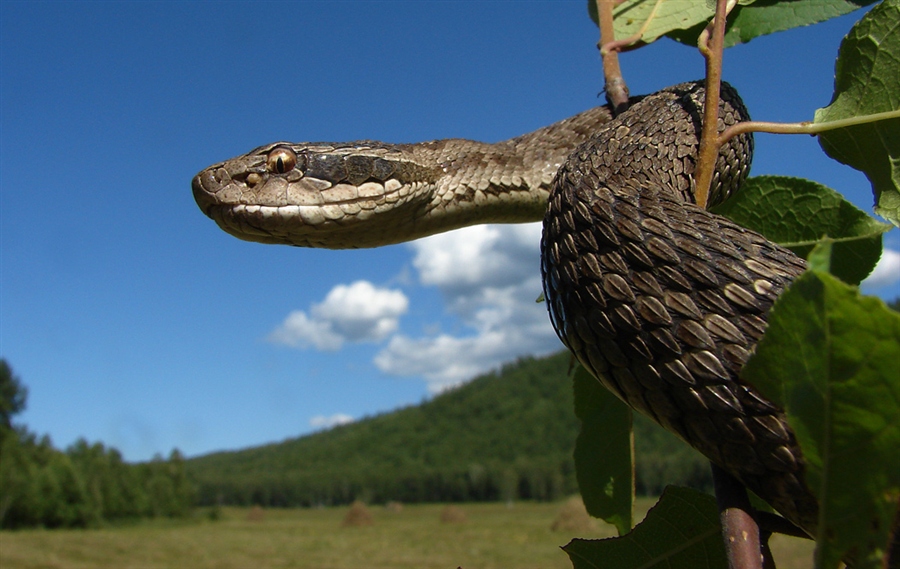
point(661, 300)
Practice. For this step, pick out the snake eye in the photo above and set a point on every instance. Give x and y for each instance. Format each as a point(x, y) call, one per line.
point(281, 160)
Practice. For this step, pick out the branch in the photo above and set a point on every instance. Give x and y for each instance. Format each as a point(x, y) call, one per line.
point(614, 83)
point(711, 48)
point(807, 127)
point(742, 543)
point(634, 40)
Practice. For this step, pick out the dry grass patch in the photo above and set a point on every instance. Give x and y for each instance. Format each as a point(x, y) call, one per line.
point(256, 514)
point(573, 517)
point(453, 515)
point(358, 515)
point(496, 536)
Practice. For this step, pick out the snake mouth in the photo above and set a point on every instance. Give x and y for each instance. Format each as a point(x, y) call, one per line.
point(306, 212)
point(339, 225)
point(283, 225)
point(302, 226)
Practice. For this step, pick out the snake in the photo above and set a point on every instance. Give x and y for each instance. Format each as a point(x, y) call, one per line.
point(662, 301)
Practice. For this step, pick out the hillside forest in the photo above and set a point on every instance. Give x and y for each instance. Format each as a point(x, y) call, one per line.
point(507, 435)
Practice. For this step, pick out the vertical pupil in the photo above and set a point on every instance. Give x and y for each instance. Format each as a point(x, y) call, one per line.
point(279, 164)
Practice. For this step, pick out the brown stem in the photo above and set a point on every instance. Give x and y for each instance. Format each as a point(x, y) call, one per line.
point(762, 126)
point(739, 529)
point(616, 89)
point(706, 161)
point(634, 40)
point(807, 127)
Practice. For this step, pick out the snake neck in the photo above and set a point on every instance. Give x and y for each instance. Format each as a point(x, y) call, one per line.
point(369, 194)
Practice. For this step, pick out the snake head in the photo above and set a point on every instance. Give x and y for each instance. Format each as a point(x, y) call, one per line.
point(314, 195)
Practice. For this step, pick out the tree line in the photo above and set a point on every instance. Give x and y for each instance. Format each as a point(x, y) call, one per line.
point(507, 435)
point(86, 485)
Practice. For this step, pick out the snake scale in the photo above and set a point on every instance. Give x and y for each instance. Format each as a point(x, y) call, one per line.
point(661, 300)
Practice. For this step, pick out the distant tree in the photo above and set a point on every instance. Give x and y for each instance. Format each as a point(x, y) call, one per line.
point(12, 395)
point(63, 499)
point(894, 304)
point(182, 489)
point(159, 487)
point(84, 486)
point(16, 464)
point(18, 493)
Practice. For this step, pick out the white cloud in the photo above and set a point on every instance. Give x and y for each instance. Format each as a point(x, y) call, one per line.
point(350, 313)
point(478, 256)
point(887, 271)
point(446, 361)
point(483, 269)
point(361, 311)
point(300, 331)
point(323, 422)
point(489, 276)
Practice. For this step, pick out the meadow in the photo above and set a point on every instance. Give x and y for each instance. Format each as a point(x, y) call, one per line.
point(491, 536)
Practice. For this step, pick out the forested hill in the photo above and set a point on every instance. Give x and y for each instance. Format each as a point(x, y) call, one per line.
point(503, 436)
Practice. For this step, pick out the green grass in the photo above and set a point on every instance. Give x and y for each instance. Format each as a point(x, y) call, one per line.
point(494, 536)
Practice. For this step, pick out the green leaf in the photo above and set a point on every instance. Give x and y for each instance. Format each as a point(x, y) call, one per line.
point(683, 21)
point(830, 359)
point(798, 214)
point(650, 19)
point(819, 258)
point(604, 452)
point(681, 530)
point(867, 74)
point(769, 16)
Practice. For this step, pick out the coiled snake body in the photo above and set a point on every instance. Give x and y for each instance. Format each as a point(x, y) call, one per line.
point(661, 300)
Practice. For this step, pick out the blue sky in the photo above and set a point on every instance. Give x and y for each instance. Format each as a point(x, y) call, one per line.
point(135, 321)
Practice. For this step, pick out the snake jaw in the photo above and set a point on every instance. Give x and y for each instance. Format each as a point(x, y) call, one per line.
point(250, 201)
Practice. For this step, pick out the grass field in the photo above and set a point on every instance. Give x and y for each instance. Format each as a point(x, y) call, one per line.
point(492, 536)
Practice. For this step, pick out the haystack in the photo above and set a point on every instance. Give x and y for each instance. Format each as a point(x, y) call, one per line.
point(256, 514)
point(453, 515)
point(394, 507)
point(573, 517)
point(357, 516)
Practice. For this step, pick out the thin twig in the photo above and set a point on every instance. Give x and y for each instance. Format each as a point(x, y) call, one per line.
point(632, 41)
point(802, 127)
point(619, 46)
point(711, 48)
point(616, 89)
point(703, 40)
point(739, 529)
